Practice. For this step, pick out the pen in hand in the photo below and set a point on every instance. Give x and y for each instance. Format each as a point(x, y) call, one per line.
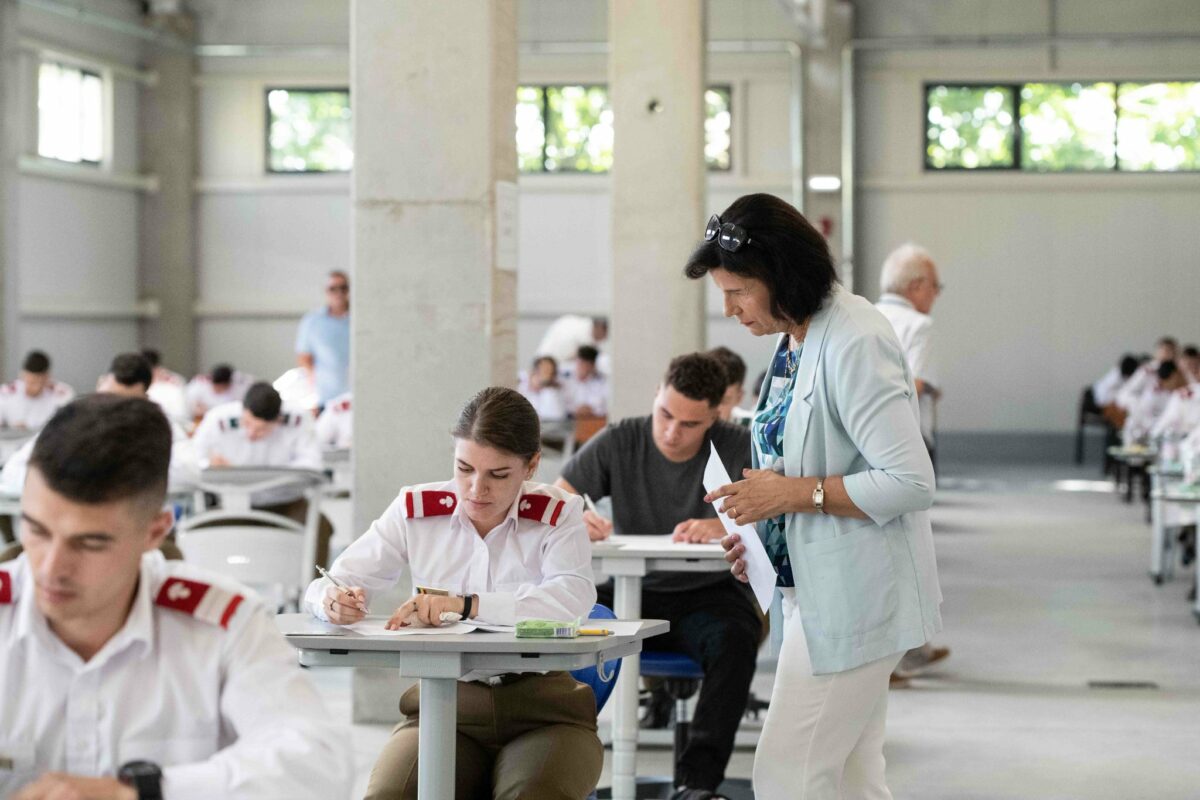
point(361, 606)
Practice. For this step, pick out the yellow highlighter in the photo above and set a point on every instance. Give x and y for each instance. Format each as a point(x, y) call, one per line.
point(595, 632)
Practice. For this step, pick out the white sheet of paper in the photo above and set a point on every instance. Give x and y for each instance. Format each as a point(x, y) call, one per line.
point(758, 563)
point(373, 626)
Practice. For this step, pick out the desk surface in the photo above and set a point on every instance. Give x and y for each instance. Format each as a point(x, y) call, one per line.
point(654, 547)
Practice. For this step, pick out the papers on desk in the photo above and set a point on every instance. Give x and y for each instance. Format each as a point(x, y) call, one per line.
point(374, 626)
point(758, 564)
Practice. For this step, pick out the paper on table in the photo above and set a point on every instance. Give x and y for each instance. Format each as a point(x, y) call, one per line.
point(758, 564)
point(373, 626)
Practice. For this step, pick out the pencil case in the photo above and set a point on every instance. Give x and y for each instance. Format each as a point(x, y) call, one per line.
point(547, 629)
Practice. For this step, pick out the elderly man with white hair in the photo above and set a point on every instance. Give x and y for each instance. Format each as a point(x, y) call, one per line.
point(908, 286)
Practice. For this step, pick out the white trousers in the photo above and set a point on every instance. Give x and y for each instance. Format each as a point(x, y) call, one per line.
point(823, 734)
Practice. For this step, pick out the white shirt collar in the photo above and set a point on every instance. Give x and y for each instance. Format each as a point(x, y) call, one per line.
point(893, 299)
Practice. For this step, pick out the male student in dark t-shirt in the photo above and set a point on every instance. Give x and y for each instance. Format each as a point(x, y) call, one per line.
point(653, 469)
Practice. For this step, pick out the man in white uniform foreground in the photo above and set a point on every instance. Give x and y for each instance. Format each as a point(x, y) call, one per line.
point(129, 677)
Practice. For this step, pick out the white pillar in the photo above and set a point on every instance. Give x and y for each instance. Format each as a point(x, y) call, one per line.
point(11, 118)
point(656, 84)
point(167, 269)
point(433, 306)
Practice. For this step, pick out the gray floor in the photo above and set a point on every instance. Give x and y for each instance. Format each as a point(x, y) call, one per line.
point(1045, 589)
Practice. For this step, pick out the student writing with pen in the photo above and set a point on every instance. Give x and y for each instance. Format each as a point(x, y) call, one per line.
point(505, 549)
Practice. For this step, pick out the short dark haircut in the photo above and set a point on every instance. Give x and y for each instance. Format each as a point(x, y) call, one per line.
point(1191, 351)
point(501, 418)
point(785, 252)
point(735, 367)
point(36, 362)
point(697, 376)
point(587, 353)
point(222, 374)
point(130, 369)
point(1129, 364)
point(1166, 369)
point(102, 447)
point(263, 401)
point(153, 356)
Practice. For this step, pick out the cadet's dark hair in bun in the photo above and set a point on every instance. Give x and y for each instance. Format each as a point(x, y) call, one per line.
point(501, 418)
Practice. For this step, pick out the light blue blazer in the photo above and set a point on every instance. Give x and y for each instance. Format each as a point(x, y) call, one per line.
point(865, 589)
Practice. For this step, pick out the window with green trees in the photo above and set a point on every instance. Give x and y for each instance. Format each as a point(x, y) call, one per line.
point(570, 128)
point(308, 130)
point(1092, 126)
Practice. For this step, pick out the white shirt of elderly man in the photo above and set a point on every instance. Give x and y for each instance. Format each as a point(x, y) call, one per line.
point(908, 286)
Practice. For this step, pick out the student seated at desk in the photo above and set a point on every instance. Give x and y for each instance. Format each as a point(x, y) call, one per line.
point(31, 399)
point(125, 675)
point(335, 426)
point(587, 390)
point(257, 432)
point(506, 550)
point(207, 391)
point(543, 390)
point(167, 388)
point(653, 469)
point(1151, 403)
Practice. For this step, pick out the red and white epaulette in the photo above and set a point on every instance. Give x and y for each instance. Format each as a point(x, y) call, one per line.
point(7, 592)
point(420, 503)
point(60, 389)
point(342, 406)
point(540, 508)
point(203, 601)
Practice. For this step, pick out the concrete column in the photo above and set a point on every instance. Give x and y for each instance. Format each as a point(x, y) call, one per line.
point(656, 84)
point(10, 147)
point(167, 263)
point(434, 281)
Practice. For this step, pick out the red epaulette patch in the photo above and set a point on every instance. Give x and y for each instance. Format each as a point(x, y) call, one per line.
point(6, 588)
point(202, 601)
point(343, 406)
point(429, 504)
point(540, 508)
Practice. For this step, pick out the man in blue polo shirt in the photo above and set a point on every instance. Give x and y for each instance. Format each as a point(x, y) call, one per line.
point(323, 341)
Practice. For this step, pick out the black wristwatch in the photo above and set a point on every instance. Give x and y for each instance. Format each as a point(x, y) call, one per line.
point(145, 776)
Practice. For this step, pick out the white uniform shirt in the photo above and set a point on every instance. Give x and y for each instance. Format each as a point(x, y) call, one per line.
point(537, 564)
point(335, 426)
point(182, 475)
point(202, 396)
point(592, 393)
point(199, 681)
point(915, 332)
point(1142, 381)
point(168, 391)
point(550, 402)
point(1181, 414)
point(1145, 412)
point(19, 410)
point(293, 443)
point(1104, 391)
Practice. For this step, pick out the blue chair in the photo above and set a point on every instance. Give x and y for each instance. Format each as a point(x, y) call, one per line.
point(602, 678)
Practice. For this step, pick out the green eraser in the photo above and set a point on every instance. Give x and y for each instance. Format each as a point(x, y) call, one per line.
point(547, 629)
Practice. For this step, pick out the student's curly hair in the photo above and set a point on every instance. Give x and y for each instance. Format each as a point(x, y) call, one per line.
point(697, 376)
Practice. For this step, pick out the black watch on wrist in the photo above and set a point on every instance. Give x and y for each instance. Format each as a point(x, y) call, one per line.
point(144, 776)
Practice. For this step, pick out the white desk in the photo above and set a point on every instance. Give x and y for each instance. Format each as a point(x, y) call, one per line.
point(628, 559)
point(1132, 458)
point(1182, 495)
point(1162, 562)
point(236, 486)
point(440, 660)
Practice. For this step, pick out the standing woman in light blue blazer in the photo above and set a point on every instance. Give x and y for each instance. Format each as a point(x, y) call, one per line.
point(839, 494)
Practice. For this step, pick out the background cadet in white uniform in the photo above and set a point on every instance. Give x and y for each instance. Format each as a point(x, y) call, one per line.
point(908, 286)
point(31, 400)
point(111, 655)
point(257, 432)
point(335, 426)
point(586, 388)
point(543, 390)
point(1104, 391)
point(506, 550)
point(568, 333)
point(223, 385)
point(1144, 380)
point(167, 388)
point(1152, 402)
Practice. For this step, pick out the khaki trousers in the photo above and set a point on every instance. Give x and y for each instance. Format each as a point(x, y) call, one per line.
point(534, 739)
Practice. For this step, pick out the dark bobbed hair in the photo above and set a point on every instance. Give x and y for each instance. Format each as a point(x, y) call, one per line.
point(102, 448)
point(263, 401)
point(1166, 369)
point(222, 374)
point(152, 355)
point(501, 418)
point(786, 253)
point(130, 369)
point(587, 353)
point(735, 367)
point(1191, 351)
point(36, 362)
point(697, 376)
point(1129, 364)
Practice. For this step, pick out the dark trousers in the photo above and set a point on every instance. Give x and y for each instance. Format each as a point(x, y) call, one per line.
point(717, 626)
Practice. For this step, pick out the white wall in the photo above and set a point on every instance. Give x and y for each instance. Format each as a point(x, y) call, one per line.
point(265, 241)
point(77, 241)
point(1050, 277)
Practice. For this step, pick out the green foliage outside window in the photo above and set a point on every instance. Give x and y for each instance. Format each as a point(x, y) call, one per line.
point(309, 130)
point(531, 129)
point(1159, 126)
point(1069, 126)
point(718, 128)
point(969, 127)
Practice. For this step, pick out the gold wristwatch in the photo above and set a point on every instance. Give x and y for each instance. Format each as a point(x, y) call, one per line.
point(819, 496)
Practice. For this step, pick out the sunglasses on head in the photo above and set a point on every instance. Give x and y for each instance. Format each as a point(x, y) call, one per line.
point(729, 237)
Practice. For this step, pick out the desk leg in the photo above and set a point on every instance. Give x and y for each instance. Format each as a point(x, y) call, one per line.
point(1158, 533)
point(627, 597)
point(438, 738)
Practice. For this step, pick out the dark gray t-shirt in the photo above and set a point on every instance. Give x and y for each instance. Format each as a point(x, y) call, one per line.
point(651, 495)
